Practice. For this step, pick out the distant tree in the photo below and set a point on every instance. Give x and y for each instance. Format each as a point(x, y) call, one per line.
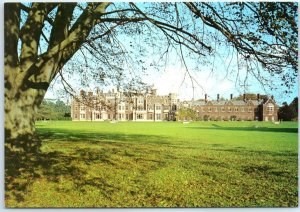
point(49, 110)
point(294, 109)
point(288, 112)
point(186, 114)
point(251, 96)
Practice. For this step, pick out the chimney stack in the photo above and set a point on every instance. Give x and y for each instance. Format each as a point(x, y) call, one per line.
point(205, 97)
point(231, 96)
point(218, 97)
point(244, 97)
point(82, 93)
point(258, 97)
point(272, 97)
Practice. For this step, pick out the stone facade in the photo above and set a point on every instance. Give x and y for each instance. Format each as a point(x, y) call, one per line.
point(123, 106)
point(152, 107)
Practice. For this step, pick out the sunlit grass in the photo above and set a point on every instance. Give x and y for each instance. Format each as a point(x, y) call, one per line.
point(170, 164)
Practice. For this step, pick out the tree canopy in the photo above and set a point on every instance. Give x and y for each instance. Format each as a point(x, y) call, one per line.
point(289, 112)
point(53, 110)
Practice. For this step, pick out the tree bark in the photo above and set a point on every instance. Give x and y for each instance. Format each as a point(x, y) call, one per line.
point(19, 121)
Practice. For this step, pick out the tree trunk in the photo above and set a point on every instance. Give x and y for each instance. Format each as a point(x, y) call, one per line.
point(20, 132)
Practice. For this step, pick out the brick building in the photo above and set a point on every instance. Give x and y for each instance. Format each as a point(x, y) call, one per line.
point(152, 107)
point(260, 109)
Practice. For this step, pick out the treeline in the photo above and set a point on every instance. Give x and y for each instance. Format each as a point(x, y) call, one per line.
point(289, 112)
point(50, 110)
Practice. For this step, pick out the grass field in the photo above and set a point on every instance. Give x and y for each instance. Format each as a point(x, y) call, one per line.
point(169, 164)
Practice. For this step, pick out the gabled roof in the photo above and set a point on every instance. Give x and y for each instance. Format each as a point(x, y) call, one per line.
point(220, 102)
point(198, 103)
point(238, 102)
point(270, 100)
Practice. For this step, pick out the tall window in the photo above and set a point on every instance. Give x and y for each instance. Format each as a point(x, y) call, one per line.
point(158, 108)
point(139, 116)
point(166, 116)
point(158, 117)
point(82, 108)
point(270, 108)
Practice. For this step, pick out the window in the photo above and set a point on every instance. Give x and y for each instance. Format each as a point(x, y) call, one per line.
point(139, 116)
point(119, 107)
point(76, 108)
point(209, 109)
point(82, 116)
point(127, 108)
point(166, 116)
point(270, 108)
point(158, 108)
point(216, 109)
point(140, 101)
point(222, 109)
point(97, 116)
point(75, 116)
point(229, 109)
point(150, 116)
point(127, 116)
point(82, 108)
point(242, 109)
point(120, 116)
point(236, 109)
point(158, 117)
point(249, 110)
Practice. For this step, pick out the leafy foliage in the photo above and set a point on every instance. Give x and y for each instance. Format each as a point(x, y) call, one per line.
point(186, 114)
point(50, 110)
point(289, 112)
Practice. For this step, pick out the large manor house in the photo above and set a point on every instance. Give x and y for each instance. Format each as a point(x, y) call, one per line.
point(121, 106)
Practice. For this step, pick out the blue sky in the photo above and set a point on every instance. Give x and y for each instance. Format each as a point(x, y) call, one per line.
point(220, 77)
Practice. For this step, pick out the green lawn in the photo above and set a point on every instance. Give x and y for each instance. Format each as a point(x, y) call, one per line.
point(168, 164)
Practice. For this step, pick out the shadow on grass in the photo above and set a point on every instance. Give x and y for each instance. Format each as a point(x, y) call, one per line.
point(118, 139)
point(253, 128)
point(244, 151)
point(22, 169)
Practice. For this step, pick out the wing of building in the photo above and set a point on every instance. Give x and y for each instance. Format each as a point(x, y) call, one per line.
point(121, 106)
